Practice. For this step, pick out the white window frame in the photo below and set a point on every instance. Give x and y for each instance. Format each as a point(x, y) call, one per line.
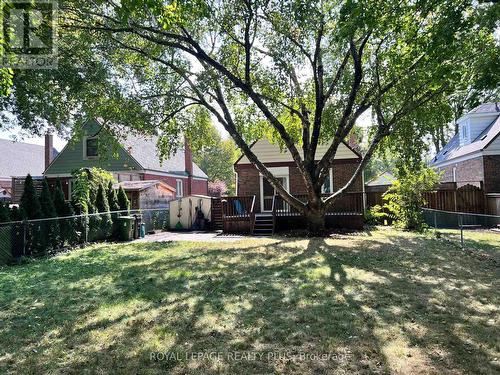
point(330, 172)
point(85, 156)
point(278, 172)
point(179, 188)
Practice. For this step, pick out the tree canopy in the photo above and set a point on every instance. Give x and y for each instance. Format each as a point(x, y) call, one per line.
point(299, 73)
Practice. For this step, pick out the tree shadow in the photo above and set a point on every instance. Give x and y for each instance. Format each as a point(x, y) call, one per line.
point(383, 305)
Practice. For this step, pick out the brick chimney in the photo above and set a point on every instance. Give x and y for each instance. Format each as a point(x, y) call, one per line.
point(49, 149)
point(188, 162)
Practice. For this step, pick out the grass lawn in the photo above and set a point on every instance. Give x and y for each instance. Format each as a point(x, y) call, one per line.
point(380, 301)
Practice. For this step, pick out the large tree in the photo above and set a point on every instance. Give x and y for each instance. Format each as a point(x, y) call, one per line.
point(297, 72)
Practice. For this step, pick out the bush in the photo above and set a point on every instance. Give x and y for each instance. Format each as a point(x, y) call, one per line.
point(50, 228)
point(123, 201)
point(67, 227)
point(4, 212)
point(375, 215)
point(30, 209)
point(405, 197)
point(102, 206)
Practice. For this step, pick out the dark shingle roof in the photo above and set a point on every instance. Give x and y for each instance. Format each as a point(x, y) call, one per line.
point(453, 150)
point(384, 179)
point(486, 108)
point(19, 158)
point(144, 150)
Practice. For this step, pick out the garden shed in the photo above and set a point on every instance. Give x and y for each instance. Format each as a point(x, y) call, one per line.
point(147, 193)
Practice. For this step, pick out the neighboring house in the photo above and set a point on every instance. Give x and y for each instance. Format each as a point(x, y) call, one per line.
point(17, 159)
point(135, 159)
point(376, 187)
point(472, 156)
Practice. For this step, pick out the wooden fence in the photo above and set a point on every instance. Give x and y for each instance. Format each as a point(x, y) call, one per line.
point(448, 197)
point(468, 198)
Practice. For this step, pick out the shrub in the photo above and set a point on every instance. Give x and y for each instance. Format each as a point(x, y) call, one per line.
point(375, 215)
point(405, 197)
point(102, 206)
point(50, 228)
point(67, 226)
point(30, 209)
point(123, 201)
point(4, 212)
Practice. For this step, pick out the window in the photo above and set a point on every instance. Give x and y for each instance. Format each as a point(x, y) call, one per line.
point(464, 133)
point(327, 185)
point(91, 148)
point(179, 188)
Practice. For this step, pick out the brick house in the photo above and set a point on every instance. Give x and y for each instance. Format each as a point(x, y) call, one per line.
point(259, 198)
point(135, 159)
point(250, 182)
point(472, 156)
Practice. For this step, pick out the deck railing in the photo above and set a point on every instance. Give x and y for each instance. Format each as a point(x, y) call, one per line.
point(348, 203)
point(240, 211)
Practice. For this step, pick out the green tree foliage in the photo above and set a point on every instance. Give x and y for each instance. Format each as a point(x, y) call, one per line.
point(102, 206)
point(68, 226)
point(123, 201)
point(15, 214)
point(216, 159)
point(299, 73)
point(4, 212)
point(405, 198)
point(50, 228)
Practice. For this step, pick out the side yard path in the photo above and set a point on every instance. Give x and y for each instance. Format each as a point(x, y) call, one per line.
point(380, 301)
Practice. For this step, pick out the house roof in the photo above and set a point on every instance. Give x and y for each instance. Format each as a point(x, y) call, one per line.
point(486, 108)
point(384, 179)
point(141, 185)
point(453, 150)
point(144, 150)
point(19, 158)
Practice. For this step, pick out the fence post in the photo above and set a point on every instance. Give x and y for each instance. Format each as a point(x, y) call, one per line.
point(25, 227)
point(435, 220)
point(461, 230)
point(86, 226)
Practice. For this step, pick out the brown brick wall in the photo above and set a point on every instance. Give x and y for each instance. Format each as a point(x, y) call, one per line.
point(467, 171)
point(249, 179)
point(491, 165)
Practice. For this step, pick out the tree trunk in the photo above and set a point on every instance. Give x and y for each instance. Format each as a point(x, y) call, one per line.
point(315, 217)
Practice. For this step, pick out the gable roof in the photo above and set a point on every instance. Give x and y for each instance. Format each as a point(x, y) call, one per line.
point(269, 153)
point(19, 158)
point(144, 150)
point(136, 153)
point(452, 150)
point(384, 179)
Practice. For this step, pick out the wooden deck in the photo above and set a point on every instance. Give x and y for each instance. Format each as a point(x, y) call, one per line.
point(240, 214)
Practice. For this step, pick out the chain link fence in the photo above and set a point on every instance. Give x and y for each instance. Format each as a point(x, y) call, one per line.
point(458, 224)
point(34, 238)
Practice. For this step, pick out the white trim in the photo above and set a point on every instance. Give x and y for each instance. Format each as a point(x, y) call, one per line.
point(85, 156)
point(261, 178)
point(278, 171)
point(200, 178)
point(179, 193)
point(454, 171)
point(330, 173)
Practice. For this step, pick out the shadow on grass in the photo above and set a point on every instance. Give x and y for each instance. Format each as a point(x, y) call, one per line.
point(384, 304)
